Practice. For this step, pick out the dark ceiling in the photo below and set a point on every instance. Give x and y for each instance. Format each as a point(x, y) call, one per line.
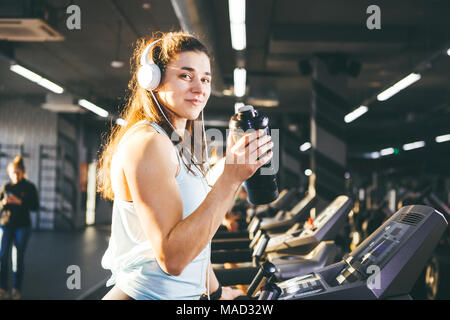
point(280, 34)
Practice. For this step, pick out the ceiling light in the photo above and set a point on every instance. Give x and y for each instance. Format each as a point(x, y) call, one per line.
point(263, 102)
point(308, 172)
point(227, 92)
point(305, 146)
point(413, 145)
point(30, 75)
point(121, 122)
point(92, 107)
point(237, 11)
point(387, 151)
point(240, 79)
point(117, 64)
point(238, 36)
point(448, 52)
point(375, 155)
point(402, 84)
point(443, 138)
point(237, 24)
point(355, 114)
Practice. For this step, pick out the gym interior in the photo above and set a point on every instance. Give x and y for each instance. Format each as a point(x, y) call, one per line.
point(358, 101)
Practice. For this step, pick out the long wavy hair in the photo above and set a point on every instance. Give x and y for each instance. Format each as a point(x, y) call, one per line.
point(141, 106)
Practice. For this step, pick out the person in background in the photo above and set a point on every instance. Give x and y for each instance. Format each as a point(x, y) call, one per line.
point(17, 198)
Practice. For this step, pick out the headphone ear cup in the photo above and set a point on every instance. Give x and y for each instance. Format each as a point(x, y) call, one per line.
point(149, 76)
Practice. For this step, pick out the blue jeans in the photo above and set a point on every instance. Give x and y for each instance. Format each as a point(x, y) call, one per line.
point(19, 237)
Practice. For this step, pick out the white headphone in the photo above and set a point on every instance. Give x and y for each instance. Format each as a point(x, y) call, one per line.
point(149, 74)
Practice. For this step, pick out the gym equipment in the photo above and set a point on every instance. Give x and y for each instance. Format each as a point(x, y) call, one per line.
point(300, 251)
point(384, 266)
point(280, 223)
point(434, 282)
point(284, 219)
point(286, 199)
point(262, 187)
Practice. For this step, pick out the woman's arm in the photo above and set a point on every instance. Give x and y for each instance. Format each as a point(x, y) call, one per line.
point(150, 165)
point(228, 293)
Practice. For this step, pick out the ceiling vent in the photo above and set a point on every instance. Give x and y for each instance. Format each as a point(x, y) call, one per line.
point(27, 30)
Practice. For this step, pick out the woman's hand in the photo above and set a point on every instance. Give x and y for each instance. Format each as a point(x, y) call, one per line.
point(241, 160)
point(229, 293)
point(12, 199)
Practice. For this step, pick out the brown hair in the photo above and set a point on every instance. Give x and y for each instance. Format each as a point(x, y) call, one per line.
point(17, 163)
point(141, 106)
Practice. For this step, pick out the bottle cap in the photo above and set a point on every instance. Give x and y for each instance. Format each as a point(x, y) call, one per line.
point(245, 108)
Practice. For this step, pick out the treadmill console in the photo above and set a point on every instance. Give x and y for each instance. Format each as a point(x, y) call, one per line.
point(326, 225)
point(385, 265)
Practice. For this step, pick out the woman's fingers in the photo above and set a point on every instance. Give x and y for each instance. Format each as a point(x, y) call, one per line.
point(245, 140)
point(260, 151)
point(264, 159)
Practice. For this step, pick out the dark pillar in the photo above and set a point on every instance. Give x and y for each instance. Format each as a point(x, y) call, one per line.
point(329, 147)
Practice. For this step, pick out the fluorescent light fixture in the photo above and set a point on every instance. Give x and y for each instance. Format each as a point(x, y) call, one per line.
point(387, 151)
point(308, 172)
point(402, 84)
point(238, 36)
point(413, 145)
point(443, 138)
point(375, 155)
point(237, 24)
point(355, 114)
point(92, 107)
point(305, 146)
point(237, 11)
point(30, 75)
point(121, 122)
point(240, 79)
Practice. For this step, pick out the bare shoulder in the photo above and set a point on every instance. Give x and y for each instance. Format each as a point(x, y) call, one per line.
point(144, 146)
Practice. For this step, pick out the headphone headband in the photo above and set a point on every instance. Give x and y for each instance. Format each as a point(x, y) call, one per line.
point(144, 57)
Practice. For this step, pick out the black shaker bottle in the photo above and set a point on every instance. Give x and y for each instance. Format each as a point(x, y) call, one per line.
point(261, 188)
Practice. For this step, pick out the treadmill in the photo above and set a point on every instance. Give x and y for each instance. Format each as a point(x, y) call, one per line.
point(385, 266)
point(285, 200)
point(301, 251)
point(226, 250)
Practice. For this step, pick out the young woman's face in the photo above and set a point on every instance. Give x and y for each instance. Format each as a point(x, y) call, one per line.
point(15, 175)
point(186, 85)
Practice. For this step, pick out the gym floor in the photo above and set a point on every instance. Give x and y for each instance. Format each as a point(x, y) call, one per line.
point(48, 257)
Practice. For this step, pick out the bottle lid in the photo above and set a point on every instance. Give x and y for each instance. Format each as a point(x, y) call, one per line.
point(245, 108)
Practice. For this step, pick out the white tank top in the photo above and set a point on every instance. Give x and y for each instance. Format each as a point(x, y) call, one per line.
point(130, 256)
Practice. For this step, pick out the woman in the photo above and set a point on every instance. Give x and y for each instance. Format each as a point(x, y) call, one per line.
point(17, 199)
point(164, 213)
